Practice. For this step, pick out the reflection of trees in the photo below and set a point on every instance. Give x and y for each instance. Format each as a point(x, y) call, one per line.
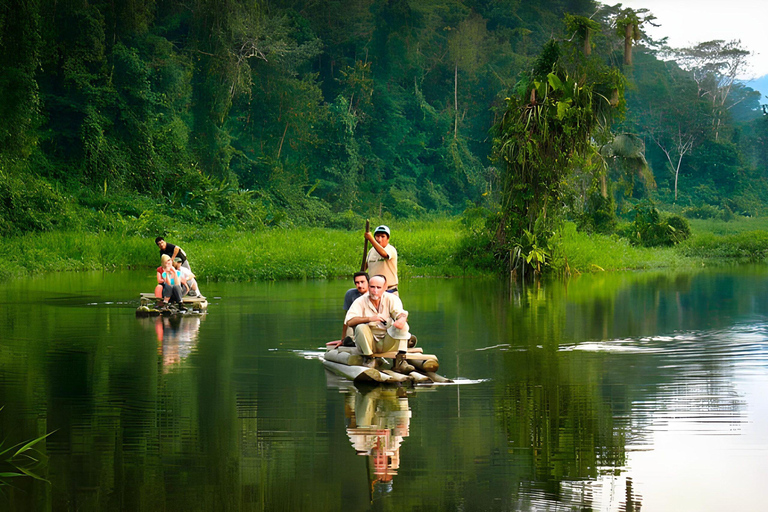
point(556, 418)
point(235, 426)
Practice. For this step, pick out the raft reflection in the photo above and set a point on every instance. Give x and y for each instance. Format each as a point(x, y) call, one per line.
point(176, 336)
point(377, 421)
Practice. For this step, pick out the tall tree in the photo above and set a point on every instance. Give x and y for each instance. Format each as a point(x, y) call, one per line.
point(715, 66)
point(19, 60)
point(547, 124)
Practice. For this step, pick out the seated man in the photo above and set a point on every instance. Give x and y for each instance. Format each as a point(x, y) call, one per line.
point(194, 290)
point(360, 289)
point(380, 324)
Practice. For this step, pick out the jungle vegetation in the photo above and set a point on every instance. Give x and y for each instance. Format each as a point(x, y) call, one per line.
point(142, 117)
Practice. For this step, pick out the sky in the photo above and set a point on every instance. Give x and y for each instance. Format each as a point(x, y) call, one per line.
point(688, 22)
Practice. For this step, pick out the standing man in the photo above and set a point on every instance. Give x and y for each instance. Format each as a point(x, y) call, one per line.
point(360, 289)
point(380, 324)
point(382, 258)
point(173, 251)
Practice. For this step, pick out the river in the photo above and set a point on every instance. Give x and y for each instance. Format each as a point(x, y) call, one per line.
point(605, 392)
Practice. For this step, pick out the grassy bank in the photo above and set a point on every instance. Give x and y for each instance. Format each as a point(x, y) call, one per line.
point(426, 248)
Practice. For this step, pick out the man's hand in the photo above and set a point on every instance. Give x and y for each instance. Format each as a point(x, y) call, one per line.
point(377, 319)
point(400, 322)
point(369, 237)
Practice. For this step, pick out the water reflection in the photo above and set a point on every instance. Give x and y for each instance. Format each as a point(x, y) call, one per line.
point(176, 336)
point(378, 420)
point(602, 393)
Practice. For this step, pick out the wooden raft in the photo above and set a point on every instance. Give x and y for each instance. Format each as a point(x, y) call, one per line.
point(347, 362)
point(149, 302)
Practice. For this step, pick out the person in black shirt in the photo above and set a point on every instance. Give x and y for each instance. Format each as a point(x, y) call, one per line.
point(173, 251)
point(361, 287)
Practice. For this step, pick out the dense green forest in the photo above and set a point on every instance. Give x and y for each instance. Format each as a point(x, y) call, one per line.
point(143, 114)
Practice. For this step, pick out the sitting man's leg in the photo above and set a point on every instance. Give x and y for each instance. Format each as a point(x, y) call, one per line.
point(364, 339)
point(401, 345)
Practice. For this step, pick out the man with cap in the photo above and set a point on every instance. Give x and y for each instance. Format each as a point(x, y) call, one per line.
point(382, 258)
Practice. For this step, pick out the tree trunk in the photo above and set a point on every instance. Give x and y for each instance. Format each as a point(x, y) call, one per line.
point(456, 100)
point(628, 34)
point(587, 44)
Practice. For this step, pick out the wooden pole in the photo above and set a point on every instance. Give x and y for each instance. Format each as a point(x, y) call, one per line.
point(365, 245)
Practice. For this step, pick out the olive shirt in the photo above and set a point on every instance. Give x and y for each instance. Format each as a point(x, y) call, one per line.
point(386, 267)
point(390, 308)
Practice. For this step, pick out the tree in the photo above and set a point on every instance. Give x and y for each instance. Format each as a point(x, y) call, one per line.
point(583, 28)
point(628, 22)
point(19, 61)
point(714, 66)
point(675, 122)
point(548, 125)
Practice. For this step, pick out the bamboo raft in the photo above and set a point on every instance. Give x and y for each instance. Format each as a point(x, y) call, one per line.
point(347, 362)
point(149, 305)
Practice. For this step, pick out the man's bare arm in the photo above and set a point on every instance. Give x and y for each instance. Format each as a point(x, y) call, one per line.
point(376, 245)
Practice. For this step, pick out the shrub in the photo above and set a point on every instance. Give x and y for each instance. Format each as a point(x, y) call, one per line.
point(29, 204)
point(705, 211)
point(650, 229)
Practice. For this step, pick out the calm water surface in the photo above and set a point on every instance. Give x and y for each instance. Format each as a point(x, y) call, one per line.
point(608, 392)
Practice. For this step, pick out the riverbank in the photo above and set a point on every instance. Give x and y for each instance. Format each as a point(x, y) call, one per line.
point(427, 248)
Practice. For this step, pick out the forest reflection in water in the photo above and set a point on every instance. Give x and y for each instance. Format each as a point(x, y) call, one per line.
point(604, 392)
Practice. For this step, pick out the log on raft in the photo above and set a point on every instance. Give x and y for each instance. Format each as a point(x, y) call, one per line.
point(350, 357)
point(438, 378)
point(422, 362)
point(397, 377)
point(357, 373)
point(353, 357)
point(197, 303)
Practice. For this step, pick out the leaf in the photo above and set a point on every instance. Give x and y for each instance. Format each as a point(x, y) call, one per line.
point(554, 81)
point(10, 475)
point(33, 475)
point(31, 443)
point(562, 109)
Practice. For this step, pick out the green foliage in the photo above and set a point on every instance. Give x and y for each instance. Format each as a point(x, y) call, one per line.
point(547, 131)
point(30, 204)
point(650, 229)
point(133, 117)
point(477, 245)
point(599, 215)
point(23, 459)
point(707, 211)
point(593, 252)
point(749, 246)
point(19, 91)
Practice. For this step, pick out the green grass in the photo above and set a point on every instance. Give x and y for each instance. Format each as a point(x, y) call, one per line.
point(735, 226)
point(594, 253)
point(426, 248)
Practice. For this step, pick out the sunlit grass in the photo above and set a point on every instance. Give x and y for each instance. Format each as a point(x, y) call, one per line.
point(585, 252)
point(426, 247)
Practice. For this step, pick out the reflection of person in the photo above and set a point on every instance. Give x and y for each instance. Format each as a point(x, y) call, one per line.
point(173, 251)
point(382, 258)
point(361, 288)
point(379, 322)
point(177, 336)
point(379, 420)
